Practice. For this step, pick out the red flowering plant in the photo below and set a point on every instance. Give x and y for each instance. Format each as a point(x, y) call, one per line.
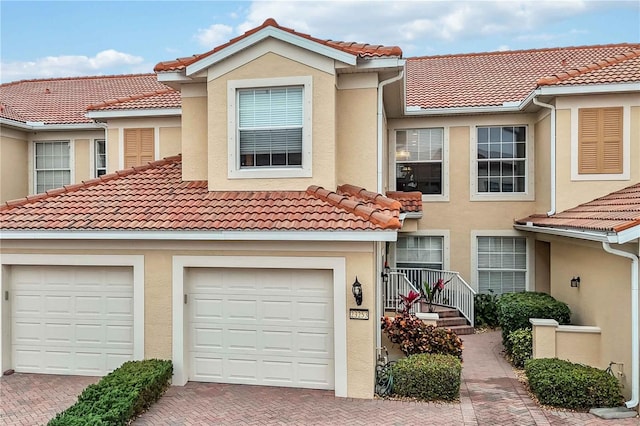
point(408, 301)
point(431, 291)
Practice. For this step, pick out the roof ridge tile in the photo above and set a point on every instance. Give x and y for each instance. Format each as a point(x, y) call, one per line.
point(92, 182)
point(596, 65)
point(79, 77)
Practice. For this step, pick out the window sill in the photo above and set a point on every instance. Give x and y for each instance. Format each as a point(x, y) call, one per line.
point(429, 198)
point(603, 177)
point(269, 173)
point(502, 197)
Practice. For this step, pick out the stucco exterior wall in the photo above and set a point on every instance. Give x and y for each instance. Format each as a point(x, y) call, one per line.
point(356, 116)
point(170, 141)
point(543, 162)
point(602, 300)
point(461, 215)
point(272, 65)
point(14, 157)
point(82, 158)
point(359, 259)
point(571, 190)
point(194, 132)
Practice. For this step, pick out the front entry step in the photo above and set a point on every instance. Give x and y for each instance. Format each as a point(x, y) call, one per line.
point(450, 318)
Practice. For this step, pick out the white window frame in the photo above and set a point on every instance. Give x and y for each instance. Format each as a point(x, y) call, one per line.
point(32, 155)
point(446, 244)
point(529, 194)
point(94, 159)
point(234, 171)
point(530, 262)
point(591, 102)
point(444, 196)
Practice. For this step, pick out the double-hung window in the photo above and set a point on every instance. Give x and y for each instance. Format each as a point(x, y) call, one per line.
point(100, 157)
point(419, 155)
point(502, 264)
point(270, 127)
point(52, 165)
point(420, 252)
point(502, 159)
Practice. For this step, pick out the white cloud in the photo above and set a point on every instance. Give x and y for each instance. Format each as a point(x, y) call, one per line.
point(215, 35)
point(413, 25)
point(106, 62)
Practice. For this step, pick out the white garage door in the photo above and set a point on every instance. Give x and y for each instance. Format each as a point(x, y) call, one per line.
point(261, 326)
point(71, 319)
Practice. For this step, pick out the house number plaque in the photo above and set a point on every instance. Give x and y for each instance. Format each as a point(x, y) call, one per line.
point(359, 314)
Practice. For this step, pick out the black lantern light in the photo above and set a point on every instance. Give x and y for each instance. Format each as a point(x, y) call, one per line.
point(356, 288)
point(575, 282)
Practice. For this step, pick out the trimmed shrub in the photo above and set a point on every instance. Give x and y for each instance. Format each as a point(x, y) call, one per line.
point(415, 337)
point(515, 309)
point(485, 308)
point(564, 384)
point(521, 342)
point(429, 377)
point(119, 396)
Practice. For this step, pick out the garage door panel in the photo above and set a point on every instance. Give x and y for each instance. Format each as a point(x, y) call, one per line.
point(263, 326)
point(71, 320)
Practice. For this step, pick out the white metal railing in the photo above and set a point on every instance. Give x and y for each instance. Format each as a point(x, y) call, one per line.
point(456, 294)
point(397, 285)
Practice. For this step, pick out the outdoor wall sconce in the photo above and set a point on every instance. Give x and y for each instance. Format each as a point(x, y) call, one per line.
point(385, 272)
point(575, 282)
point(356, 288)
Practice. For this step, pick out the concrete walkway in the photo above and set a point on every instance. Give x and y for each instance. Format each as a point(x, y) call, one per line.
point(490, 395)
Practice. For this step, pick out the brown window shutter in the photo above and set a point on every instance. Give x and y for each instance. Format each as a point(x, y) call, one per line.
point(600, 140)
point(138, 147)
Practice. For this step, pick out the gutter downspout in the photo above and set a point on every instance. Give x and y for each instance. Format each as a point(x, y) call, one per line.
point(635, 333)
point(378, 246)
point(553, 153)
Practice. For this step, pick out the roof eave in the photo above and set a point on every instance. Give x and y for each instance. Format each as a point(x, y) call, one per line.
point(509, 108)
point(584, 234)
point(557, 90)
point(264, 33)
point(32, 126)
point(200, 235)
point(135, 112)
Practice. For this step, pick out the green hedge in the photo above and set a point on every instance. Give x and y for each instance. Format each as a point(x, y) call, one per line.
point(515, 309)
point(428, 377)
point(120, 396)
point(567, 385)
point(485, 309)
point(521, 342)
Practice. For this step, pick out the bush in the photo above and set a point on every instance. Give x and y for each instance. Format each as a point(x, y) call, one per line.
point(415, 337)
point(486, 309)
point(515, 309)
point(428, 377)
point(521, 342)
point(119, 396)
point(567, 385)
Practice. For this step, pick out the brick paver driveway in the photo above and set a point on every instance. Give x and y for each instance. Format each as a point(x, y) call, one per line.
point(33, 399)
point(490, 395)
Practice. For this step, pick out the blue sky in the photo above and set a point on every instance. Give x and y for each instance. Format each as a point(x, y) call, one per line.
point(68, 38)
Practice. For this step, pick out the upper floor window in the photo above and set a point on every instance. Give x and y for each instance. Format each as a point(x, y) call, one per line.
point(502, 159)
point(138, 147)
point(419, 157)
point(52, 165)
point(600, 148)
point(100, 157)
point(270, 127)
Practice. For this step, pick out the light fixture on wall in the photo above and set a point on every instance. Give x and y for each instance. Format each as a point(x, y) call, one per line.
point(575, 282)
point(385, 272)
point(356, 289)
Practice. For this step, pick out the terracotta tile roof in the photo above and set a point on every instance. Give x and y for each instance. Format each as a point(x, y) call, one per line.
point(358, 49)
point(411, 201)
point(7, 112)
point(615, 212)
point(622, 68)
point(154, 197)
point(491, 79)
point(64, 100)
point(165, 98)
